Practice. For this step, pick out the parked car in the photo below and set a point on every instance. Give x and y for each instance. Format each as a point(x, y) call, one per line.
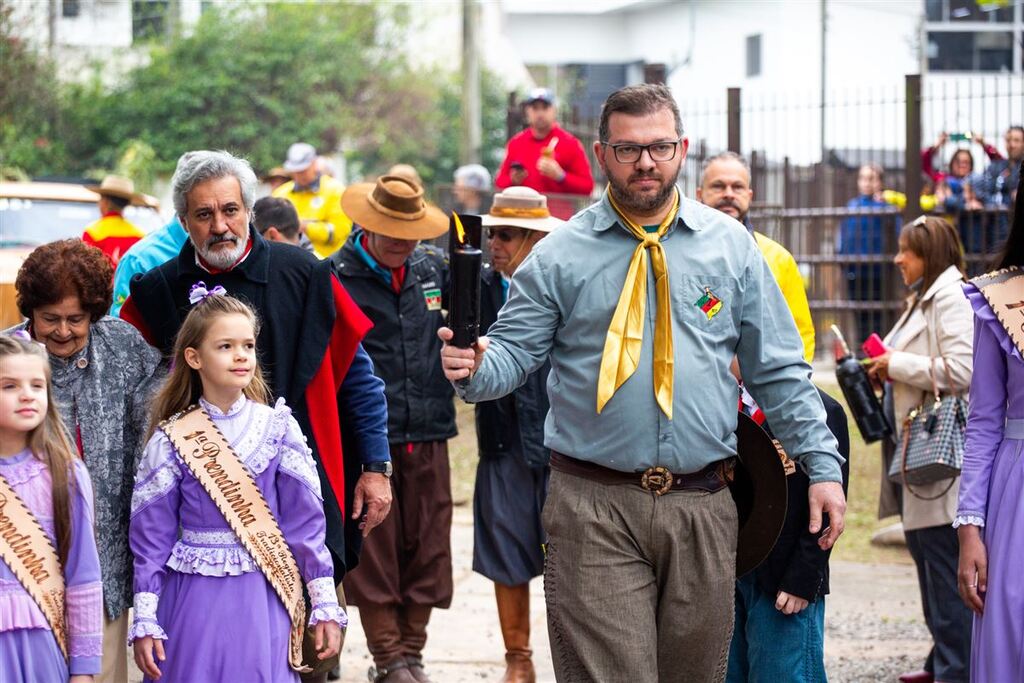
point(34, 213)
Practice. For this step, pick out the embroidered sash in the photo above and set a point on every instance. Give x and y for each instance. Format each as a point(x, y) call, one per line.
point(30, 554)
point(1004, 291)
point(234, 491)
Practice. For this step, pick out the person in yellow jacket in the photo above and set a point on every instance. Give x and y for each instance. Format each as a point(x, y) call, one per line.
point(317, 198)
point(112, 234)
point(725, 185)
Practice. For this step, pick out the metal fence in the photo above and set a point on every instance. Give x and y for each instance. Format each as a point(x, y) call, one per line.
point(805, 154)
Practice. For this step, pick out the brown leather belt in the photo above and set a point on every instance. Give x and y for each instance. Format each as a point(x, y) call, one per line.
point(657, 480)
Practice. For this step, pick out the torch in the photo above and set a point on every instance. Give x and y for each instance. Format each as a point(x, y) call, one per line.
point(465, 259)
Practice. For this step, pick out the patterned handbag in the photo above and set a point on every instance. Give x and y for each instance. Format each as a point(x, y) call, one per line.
point(933, 439)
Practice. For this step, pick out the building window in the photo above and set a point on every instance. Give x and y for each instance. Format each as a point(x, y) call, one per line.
point(988, 11)
point(990, 51)
point(754, 55)
point(149, 19)
point(70, 8)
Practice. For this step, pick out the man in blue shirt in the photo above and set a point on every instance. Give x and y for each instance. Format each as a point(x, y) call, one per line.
point(157, 247)
point(641, 531)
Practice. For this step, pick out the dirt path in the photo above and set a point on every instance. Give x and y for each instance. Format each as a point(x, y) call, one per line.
point(874, 626)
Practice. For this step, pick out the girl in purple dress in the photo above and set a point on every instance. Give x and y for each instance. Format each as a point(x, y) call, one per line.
point(37, 461)
point(990, 514)
point(203, 609)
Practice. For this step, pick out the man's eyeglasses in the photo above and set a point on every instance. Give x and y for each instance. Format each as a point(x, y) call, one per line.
point(630, 153)
point(503, 234)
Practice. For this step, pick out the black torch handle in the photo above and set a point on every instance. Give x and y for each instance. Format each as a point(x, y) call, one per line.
point(464, 316)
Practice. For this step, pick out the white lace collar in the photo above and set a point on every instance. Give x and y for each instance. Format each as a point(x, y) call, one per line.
point(214, 411)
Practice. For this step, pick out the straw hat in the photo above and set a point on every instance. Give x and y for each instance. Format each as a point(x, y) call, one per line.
point(276, 172)
point(521, 207)
point(406, 171)
point(116, 186)
point(394, 207)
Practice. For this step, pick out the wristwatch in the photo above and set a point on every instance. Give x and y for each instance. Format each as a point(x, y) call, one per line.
point(384, 468)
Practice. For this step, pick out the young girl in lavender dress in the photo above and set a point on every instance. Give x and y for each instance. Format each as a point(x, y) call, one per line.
point(990, 514)
point(203, 609)
point(37, 461)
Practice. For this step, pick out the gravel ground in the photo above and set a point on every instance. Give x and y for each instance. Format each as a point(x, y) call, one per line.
point(874, 627)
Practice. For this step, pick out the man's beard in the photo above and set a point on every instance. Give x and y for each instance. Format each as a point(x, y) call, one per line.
point(741, 214)
point(642, 205)
point(221, 259)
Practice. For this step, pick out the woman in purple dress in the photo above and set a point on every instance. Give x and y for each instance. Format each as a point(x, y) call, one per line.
point(202, 605)
point(38, 462)
point(990, 514)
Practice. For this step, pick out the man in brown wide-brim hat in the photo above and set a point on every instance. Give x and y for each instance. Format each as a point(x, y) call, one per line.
point(405, 569)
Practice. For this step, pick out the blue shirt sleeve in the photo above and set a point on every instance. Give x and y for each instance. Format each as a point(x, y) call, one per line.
point(363, 409)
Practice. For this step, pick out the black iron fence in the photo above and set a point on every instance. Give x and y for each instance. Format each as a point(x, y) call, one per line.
point(805, 155)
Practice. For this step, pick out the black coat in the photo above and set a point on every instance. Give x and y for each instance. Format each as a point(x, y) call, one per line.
point(512, 424)
point(796, 564)
point(403, 343)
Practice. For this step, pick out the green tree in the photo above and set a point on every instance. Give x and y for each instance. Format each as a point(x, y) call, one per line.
point(30, 107)
point(255, 80)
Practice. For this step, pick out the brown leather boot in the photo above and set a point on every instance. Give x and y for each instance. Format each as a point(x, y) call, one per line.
point(514, 615)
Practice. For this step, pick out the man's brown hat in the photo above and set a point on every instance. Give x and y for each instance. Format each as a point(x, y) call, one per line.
point(117, 186)
point(394, 207)
point(760, 491)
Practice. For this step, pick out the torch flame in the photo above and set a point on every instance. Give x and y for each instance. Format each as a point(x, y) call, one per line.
point(460, 231)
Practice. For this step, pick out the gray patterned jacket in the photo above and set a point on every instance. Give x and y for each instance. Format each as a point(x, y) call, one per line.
point(105, 390)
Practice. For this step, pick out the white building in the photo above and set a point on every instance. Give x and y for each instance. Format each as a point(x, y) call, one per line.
point(969, 51)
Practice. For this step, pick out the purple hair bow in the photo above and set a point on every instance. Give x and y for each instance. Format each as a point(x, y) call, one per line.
point(200, 292)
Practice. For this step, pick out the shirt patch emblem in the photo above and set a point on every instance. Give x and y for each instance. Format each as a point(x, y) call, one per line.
point(316, 202)
point(709, 304)
point(433, 299)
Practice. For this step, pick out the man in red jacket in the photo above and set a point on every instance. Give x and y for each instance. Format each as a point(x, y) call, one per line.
point(546, 157)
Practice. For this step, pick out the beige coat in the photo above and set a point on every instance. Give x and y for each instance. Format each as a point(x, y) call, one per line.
point(943, 320)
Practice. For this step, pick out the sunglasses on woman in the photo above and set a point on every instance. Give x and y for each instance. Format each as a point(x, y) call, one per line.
point(503, 234)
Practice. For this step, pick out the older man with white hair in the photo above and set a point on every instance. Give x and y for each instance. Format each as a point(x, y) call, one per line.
point(310, 340)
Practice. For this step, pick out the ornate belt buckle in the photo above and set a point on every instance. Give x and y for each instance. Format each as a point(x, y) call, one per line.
point(657, 480)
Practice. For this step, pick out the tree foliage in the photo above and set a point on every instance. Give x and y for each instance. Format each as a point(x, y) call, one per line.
point(30, 106)
point(252, 79)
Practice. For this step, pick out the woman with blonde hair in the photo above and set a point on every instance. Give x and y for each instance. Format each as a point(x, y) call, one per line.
point(931, 342)
point(42, 478)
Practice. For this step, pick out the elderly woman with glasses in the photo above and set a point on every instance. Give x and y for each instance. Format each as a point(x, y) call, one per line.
point(103, 375)
point(512, 477)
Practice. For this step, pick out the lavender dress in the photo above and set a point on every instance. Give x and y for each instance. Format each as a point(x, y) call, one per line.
point(200, 590)
point(28, 650)
point(992, 493)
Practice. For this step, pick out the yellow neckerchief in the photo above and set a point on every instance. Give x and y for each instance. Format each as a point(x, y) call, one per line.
point(626, 331)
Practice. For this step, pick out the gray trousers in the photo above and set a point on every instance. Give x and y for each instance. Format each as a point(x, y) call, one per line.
point(639, 588)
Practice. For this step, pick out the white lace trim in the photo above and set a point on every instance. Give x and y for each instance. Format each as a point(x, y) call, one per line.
point(218, 537)
point(214, 411)
point(323, 596)
point(163, 481)
point(143, 628)
point(223, 560)
point(331, 613)
point(263, 437)
point(322, 591)
point(145, 605)
point(297, 460)
point(974, 520)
